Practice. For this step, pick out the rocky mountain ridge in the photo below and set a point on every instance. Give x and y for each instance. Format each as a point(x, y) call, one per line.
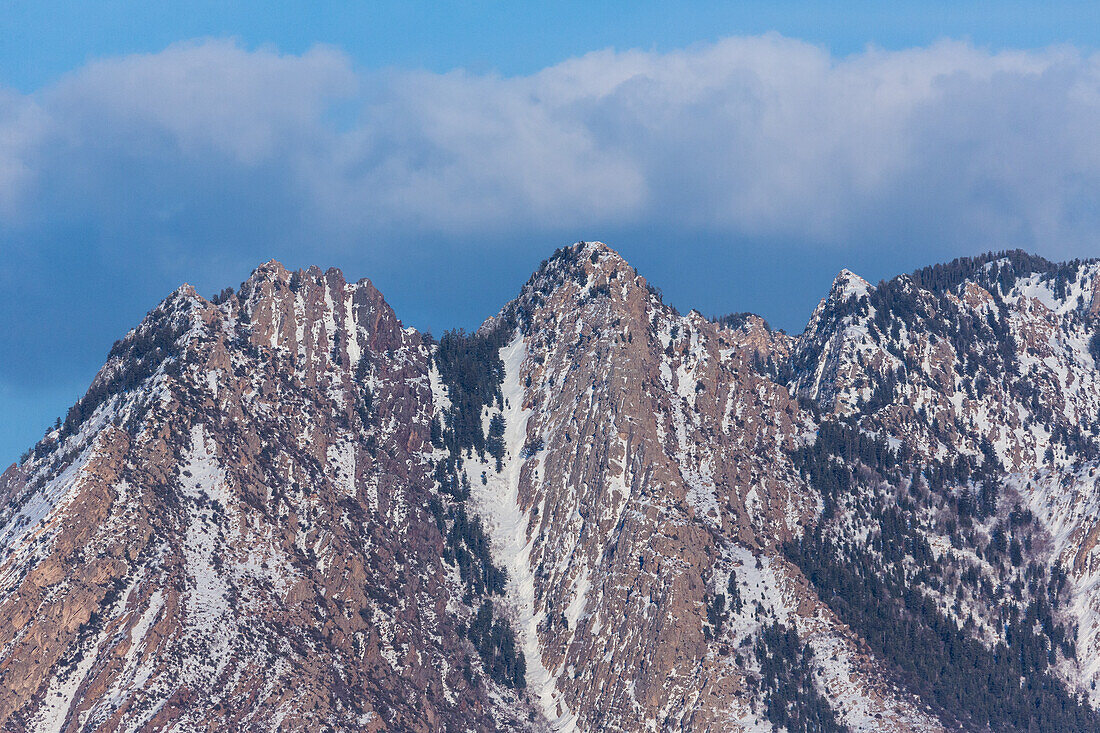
point(281, 509)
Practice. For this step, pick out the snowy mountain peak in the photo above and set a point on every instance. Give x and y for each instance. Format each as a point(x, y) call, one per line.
point(272, 269)
point(581, 276)
point(847, 285)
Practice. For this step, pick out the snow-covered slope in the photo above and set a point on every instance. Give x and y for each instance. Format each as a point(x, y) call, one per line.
point(984, 368)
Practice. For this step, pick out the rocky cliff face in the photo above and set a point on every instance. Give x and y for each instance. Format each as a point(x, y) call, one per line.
point(238, 534)
point(281, 509)
point(660, 481)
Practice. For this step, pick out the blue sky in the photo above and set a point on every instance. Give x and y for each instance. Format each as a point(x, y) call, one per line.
point(738, 155)
point(46, 38)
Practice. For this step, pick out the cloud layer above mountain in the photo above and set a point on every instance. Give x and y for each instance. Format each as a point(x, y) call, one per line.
point(753, 137)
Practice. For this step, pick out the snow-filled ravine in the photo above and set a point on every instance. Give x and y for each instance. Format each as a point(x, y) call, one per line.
point(497, 501)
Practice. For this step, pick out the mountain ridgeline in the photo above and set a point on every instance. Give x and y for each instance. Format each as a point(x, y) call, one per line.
point(281, 509)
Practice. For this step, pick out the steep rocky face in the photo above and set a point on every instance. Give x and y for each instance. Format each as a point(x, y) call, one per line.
point(242, 539)
point(646, 480)
point(281, 509)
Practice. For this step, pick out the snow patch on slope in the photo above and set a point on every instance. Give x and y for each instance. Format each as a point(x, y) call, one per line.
point(498, 504)
point(207, 604)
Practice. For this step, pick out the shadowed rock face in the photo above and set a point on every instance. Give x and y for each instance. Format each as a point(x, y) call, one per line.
point(249, 521)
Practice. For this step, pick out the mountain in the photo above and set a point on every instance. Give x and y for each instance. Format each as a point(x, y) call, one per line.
point(282, 509)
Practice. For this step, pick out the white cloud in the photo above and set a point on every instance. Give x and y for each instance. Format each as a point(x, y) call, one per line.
point(758, 137)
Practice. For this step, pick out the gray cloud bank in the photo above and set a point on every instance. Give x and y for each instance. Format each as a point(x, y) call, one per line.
point(752, 137)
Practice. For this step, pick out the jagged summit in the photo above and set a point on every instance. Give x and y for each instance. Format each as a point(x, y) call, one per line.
point(186, 290)
point(271, 268)
point(274, 271)
point(572, 277)
point(847, 285)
